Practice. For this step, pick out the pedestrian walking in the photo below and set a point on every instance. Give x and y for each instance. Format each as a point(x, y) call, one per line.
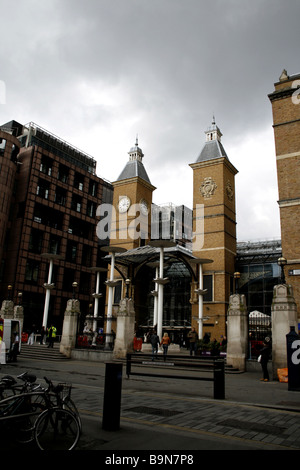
point(43, 333)
point(31, 335)
point(154, 340)
point(264, 358)
point(15, 347)
point(165, 344)
point(51, 336)
point(193, 338)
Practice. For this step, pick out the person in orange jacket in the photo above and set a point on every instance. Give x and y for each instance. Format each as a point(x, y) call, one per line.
point(165, 344)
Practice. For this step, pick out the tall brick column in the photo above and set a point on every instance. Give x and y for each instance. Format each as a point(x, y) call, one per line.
point(285, 100)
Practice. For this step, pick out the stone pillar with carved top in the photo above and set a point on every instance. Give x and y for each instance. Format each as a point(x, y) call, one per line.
point(237, 332)
point(19, 315)
point(7, 309)
point(125, 329)
point(68, 339)
point(284, 315)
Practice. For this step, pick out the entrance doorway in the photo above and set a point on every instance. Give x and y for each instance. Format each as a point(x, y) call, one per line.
point(259, 328)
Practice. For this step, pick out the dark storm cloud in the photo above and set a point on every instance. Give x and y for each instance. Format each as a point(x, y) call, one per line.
point(112, 68)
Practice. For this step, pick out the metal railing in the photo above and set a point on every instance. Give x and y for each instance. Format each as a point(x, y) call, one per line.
point(210, 369)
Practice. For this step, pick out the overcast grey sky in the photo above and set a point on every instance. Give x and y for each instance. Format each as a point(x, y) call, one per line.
point(98, 72)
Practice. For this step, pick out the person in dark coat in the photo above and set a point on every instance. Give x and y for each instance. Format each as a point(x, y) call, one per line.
point(193, 337)
point(43, 333)
point(265, 355)
point(154, 340)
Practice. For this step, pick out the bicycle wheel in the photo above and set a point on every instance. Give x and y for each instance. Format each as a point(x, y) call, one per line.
point(56, 429)
point(25, 426)
point(69, 405)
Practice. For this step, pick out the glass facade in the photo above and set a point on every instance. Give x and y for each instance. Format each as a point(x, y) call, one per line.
point(177, 293)
point(259, 273)
point(256, 283)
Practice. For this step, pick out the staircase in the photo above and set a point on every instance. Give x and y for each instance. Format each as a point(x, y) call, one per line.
point(42, 352)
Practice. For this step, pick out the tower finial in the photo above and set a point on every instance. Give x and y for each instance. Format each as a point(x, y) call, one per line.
point(137, 140)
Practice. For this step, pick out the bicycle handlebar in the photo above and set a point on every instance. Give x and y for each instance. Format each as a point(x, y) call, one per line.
point(56, 389)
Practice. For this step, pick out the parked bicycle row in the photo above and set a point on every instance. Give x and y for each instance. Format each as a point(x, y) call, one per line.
point(43, 415)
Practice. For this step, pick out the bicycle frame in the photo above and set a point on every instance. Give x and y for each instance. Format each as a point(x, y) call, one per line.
point(11, 407)
point(42, 405)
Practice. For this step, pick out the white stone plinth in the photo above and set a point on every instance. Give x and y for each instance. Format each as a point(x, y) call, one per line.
point(284, 315)
point(237, 332)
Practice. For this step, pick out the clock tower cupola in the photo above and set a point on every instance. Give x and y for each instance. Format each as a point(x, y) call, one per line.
point(132, 202)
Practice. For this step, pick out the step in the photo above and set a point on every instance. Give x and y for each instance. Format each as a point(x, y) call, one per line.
point(41, 351)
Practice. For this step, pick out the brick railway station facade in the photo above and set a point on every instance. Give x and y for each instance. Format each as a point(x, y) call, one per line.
point(48, 205)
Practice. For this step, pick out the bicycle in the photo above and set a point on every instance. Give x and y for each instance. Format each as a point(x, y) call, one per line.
point(59, 426)
point(18, 413)
point(62, 393)
point(47, 417)
point(56, 429)
point(9, 386)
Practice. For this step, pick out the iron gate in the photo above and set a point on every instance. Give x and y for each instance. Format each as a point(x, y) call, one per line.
point(259, 330)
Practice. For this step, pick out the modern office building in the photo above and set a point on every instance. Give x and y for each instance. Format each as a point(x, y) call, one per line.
point(49, 202)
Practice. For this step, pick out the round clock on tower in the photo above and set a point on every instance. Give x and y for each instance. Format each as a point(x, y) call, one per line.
point(124, 204)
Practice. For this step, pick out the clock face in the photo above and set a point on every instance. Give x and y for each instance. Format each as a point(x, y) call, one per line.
point(144, 206)
point(124, 204)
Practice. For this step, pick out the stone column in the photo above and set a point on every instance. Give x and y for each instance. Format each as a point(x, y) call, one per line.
point(19, 315)
point(125, 329)
point(237, 332)
point(68, 339)
point(284, 315)
point(7, 310)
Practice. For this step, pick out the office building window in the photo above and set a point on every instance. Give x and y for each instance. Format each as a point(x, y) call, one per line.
point(208, 284)
point(63, 173)
point(79, 181)
point(42, 189)
point(60, 196)
point(71, 252)
point(54, 244)
point(91, 209)
point(36, 241)
point(2, 146)
point(93, 187)
point(32, 271)
point(76, 203)
point(46, 165)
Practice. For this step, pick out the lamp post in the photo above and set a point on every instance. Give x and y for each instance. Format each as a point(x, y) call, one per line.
point(161, 280)
point(127, 282)
point(74, 286)
point(111, 283)
point(282, 263)
point(20, 296)
point(97, 295)
point(236, 276)
point(48, 285)
point(9, 289)
point(201, 292)
point(154, 292)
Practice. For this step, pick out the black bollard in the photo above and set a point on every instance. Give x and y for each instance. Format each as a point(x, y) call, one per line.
point(112, 397)
point(293, 359)
point(219, 379)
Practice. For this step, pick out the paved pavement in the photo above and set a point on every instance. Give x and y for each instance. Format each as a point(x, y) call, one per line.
point(172, 415)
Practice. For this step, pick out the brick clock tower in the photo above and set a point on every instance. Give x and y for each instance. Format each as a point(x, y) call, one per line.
point(132, 203)
point(214, 227)
point(285, 100)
